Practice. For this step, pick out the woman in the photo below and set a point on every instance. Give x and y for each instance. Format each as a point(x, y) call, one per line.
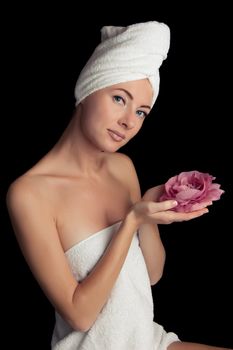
point(90, 239)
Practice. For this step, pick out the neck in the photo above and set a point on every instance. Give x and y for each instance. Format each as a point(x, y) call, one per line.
point(74, 153)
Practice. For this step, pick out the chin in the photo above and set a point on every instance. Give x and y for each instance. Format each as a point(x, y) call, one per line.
point(108, 150)
point(109, 147)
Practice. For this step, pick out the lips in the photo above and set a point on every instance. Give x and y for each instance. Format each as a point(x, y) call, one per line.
point(116, 135)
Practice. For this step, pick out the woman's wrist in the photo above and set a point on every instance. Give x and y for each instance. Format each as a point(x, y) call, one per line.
point(133, 220)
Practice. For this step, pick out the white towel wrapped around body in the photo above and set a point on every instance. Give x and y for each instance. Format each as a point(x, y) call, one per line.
point(125, 54)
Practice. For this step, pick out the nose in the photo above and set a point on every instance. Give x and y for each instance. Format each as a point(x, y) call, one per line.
point(128, 120)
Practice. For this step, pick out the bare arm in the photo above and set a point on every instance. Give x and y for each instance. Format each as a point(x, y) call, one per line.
point(153, 251)
point(35, 229)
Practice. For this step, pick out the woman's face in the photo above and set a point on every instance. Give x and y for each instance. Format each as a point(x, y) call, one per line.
point(113, 115)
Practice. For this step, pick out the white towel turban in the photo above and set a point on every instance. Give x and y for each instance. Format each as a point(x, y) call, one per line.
point(125, 54)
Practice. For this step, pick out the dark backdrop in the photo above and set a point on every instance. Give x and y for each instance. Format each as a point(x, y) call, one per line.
point(189, 128)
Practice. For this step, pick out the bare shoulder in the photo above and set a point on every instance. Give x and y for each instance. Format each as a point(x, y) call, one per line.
point(120, 162)
point(18, 190)
point(124, 169)
point(25, 189)
point(29, 206)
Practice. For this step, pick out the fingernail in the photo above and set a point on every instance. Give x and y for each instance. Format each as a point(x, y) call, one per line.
point(174, 203)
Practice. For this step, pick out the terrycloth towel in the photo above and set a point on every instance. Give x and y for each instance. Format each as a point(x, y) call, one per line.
point(126, 320)
point(125, 54)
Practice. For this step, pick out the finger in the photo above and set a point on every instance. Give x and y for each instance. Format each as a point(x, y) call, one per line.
point(194, 214)
point(205, 204)
point(169, 216)
point(161, 206)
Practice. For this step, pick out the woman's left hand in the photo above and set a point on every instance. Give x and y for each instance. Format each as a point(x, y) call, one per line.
point(154, 193)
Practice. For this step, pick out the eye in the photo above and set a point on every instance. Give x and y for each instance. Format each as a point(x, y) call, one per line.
point(141, 114)
point(119, 99)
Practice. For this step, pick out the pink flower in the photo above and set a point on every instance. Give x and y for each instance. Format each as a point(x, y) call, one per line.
point(191, 189)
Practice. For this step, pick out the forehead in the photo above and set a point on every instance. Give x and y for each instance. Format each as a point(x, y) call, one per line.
point(134, 84)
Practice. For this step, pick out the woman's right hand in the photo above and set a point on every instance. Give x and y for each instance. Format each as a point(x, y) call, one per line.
point(160, 213)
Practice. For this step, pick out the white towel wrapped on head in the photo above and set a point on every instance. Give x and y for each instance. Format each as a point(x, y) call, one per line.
point(125, 54)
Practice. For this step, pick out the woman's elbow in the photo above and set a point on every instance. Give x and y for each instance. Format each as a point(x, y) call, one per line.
point(80, 325)
point(81, 320)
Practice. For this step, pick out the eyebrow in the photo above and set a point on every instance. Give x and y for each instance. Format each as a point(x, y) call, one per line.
point(131, 97)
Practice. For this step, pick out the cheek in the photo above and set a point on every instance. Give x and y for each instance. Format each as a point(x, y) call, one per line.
point(89, 114)
point(95, 110)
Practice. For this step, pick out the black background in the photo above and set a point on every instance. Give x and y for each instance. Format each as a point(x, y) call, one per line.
point(43, 51)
